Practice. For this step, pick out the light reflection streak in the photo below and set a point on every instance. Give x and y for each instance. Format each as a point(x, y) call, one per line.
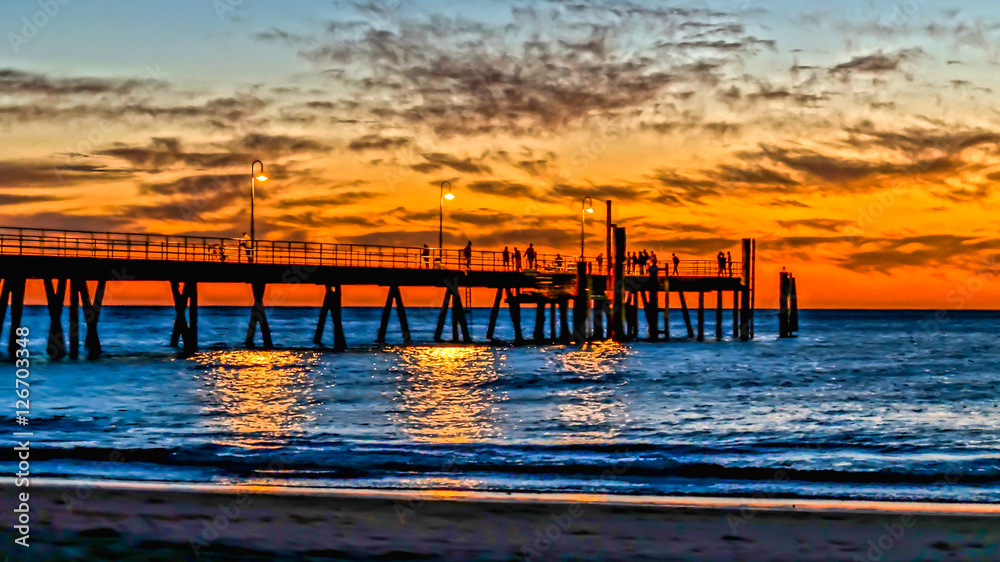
point(592, 407)
point(258, 395)
point(445, 395)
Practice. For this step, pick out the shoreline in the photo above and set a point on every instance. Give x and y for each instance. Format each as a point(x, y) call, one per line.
point(154, 521)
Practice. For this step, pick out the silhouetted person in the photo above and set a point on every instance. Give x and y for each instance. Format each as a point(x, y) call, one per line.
point(467, 253)
point(506, 258)
point(677, 262)
point(729, 262)
point(643, 258)
point(600, 262)
point(722, 263)
point(652, 260)
point(517, 259)
point(247, 245)
point(426, 255)
point(530, 254)
point(559, 261)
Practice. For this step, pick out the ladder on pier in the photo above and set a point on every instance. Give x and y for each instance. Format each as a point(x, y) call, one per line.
point(468, 304)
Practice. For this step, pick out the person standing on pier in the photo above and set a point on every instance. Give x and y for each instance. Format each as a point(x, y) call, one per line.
point(677, 262)
point(559, 261)
point(722, 264)
point(517, 259)
point(247, 245)
point(467, 253)
point(729, 262)
point(600, 262)
point(530, 254)
point(426, 255)
point(506, 258)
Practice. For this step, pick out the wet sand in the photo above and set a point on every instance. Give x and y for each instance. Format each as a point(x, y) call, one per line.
point(132, 521)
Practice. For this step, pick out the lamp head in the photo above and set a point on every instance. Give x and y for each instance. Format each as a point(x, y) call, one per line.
point(449, 196)
point(261, 177)
point(590, 209)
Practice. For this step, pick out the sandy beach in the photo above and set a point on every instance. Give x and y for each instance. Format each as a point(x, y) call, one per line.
point(129, 521)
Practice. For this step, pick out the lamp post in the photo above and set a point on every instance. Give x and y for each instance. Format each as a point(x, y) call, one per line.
point(253, 179)
point(449, 196)
point(588, 207)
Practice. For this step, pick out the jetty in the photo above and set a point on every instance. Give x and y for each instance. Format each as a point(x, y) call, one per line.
point(575, 299)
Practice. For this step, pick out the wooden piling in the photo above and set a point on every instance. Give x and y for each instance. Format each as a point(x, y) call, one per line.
point(793, 314)
point(666, 310)
point(718, 316)
point(55, 296)
point(332, 304)
point(736, 315)
point(494, 314)
point(581, 304)
point(458, 317)
point(394, 299)
point(539, 334)
point(564, 333)
point(784, 290)
point(617, 323)
point(514, 306)
point(91, 315)
point(687, 316)
point(745, 293)
point(701, 315)
point(258, 316)
point(16, 312)
point(442, 317)
point(74, 317)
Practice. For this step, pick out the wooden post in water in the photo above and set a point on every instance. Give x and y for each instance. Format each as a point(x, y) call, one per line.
point(514, 305)
point(92, 313)
point(16, 311)
point(793, 316)
point(581, 303)
point(736, 315)
point(442, 316)
point(257, 316)
point(55, 296)
point(184, 309)
point(494, 314)
point(783, 331)
point(458, 318)
point(718, 315)
point(687, 316)
point(617, 323)
point(539, 333)
point(745, 293)
point(666, 309)
point(564, 334)
point(74, 316)
point(394, 298)
point(332, 303)
point(701, 315)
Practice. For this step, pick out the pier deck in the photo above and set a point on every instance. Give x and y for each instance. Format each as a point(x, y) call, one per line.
point(70, 259)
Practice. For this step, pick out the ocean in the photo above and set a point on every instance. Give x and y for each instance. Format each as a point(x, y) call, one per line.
point(887, 405)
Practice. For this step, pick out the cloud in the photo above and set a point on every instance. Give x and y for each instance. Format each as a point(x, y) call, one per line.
point(832, 225)
point(437, 160)
point(376, 142)
point(56, 174)
point(167, 152)
point(875, 63)
point(334, 200)
point(502, 188)
point(17, 82)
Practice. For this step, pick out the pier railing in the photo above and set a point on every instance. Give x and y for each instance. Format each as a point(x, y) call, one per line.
point(117, 245)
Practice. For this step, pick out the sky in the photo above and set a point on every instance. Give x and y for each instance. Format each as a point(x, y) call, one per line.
point(857, 141)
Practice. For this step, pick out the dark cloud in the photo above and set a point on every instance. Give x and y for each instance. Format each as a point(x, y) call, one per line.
point(17, 82)
point(502, 188)
point(56, 174)
point(598, 192)
point(279, 144)
point(377, 142)
point(436, 161)
point(876, 63)
point(333, 200)
point(832, 225)
point(788, 203)
point(167, 152)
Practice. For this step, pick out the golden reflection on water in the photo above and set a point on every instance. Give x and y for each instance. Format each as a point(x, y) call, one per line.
point(258, 392)
point(445, 395)
point(591, 405)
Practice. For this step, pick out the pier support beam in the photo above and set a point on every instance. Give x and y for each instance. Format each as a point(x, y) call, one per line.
point(258, 316)
point(186, 310)
point(701, 315)
point(617, 324)
point(494, 314)
point(394, 298)
point(92, 313)
point(581, 304)
point(736, 315)
point(687, 316)
point(564, 333)
point(454, 299)
point(718, 316)
point(745, 321)
point(539, 333)
point(514, 306)
point(55, 296)
point(13, 289)
point(651, 306)
point(332, 304)
point(666, 311)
